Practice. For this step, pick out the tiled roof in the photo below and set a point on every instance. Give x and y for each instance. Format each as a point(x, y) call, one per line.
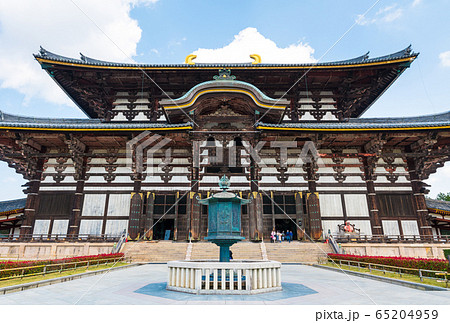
point(6, 206)
point(438, 205)
point(436, 120)
point(13, 121)
point(364, 59)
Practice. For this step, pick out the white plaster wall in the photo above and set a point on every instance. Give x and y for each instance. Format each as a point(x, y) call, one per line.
point(330, 205)
point(92, 227)
point(356, 205)
point(94, 205)
point(119, 205)
point(390, 227)
point(41, 227)
point(116, 227)
point(60, 228)
point(331, 225)
point(410, 227)
point(364, 226)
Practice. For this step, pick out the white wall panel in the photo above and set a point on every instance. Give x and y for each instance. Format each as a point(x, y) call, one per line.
point(116, 227)
point(41, 227)
point(332, 226)
point(410, 228)
point(390, 227)
point(356, 205)
point(94, 205)
point(364, 226)
point(119, 205)
point(92, 227)
point(330, 205)
point(60, 228)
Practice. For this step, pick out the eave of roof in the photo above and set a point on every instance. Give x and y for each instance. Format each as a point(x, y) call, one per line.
point(403, 56)
point(437, 121)
point(12, 206)
point(12, 122)
point(437, 206)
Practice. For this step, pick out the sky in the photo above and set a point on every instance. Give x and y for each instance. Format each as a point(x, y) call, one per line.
point(166, 31)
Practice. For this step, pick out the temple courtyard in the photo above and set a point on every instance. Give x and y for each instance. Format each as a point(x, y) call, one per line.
point(302, 285)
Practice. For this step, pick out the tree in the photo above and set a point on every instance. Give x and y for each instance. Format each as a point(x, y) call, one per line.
point(443, 197)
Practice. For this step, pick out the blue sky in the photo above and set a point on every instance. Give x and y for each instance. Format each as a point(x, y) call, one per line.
point(165, 31)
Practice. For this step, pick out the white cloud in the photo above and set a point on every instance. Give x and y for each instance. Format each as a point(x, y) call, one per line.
point(61, 27)
point(416, 2)
point(445, 58)
point(384, 15)
point(439, 181)
point(250, 41)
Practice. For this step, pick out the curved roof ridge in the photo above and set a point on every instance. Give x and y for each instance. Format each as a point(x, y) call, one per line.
point(404, 53)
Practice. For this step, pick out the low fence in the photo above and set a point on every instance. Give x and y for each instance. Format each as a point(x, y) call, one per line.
point(235, 277)
point(42, 270)
point(393, 238)
point(420, 273)
point(60, 237)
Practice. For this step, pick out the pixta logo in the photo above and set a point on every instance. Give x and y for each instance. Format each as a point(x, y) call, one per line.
point(151, 144)
point(148, 153)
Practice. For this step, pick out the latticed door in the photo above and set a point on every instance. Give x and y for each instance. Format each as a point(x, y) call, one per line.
point(135, 215)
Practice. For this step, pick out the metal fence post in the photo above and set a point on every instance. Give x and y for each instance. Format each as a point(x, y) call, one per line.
point(420, 275)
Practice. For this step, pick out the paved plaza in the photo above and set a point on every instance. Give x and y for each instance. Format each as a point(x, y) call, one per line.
point(302, 285)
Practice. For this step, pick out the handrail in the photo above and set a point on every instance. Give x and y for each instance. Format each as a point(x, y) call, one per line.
point(119, 244)
point(398, 270)
point(334, 245)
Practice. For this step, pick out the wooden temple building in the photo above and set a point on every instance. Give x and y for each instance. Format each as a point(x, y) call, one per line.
point(201, 121)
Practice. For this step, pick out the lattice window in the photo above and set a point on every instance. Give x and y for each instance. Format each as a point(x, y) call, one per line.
point(164, 204)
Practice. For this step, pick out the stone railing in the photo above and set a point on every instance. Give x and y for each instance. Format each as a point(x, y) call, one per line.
point(235, 277)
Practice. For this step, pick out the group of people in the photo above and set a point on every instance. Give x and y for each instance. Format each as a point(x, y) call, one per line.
point(277, 236)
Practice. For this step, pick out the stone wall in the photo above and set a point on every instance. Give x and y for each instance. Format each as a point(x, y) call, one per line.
point(416, 250)
point(32, 251)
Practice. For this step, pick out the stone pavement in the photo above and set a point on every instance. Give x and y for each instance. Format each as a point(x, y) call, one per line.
point(302, 285)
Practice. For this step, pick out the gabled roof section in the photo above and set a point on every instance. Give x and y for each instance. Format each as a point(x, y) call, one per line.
point(45, 56)
point(353, 85)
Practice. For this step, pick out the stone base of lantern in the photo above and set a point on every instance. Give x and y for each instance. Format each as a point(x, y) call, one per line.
point(234, 277)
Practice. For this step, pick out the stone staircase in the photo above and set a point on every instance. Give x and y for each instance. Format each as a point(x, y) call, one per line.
point(161, 251)
point(304, 252)
point(164, 251)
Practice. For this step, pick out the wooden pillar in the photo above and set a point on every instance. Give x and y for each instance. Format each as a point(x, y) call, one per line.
point(369, 166)
point(75, 216)
point(195, 210)
point(312, 203)
point(255, 217)
point(255, 211)
point(32, 202)
point(419, 197)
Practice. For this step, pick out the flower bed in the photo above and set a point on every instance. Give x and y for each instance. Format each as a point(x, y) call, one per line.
point(38, 266)
point(404, 262)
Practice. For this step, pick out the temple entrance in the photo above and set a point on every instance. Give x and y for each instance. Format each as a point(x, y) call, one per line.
point(286, 224)
point(163, 230)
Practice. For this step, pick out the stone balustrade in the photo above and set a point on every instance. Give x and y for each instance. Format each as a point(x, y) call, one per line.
point(235, 277)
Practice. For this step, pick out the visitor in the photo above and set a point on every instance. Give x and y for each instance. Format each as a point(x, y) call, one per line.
point(291, 234)
point(283, 236)
point(278, 236)
point(273, 236)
